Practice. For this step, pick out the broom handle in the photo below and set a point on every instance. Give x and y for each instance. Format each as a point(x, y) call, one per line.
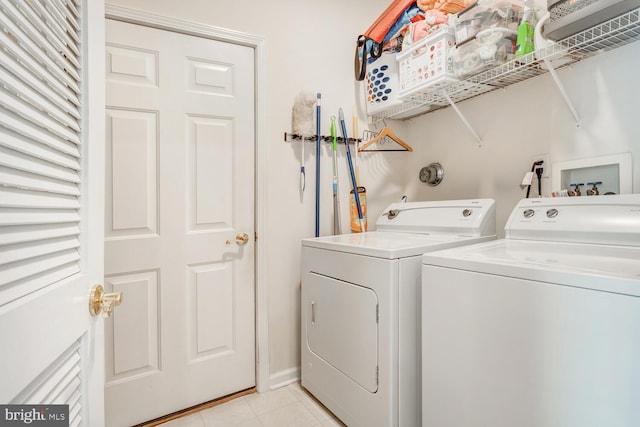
point(351, 171)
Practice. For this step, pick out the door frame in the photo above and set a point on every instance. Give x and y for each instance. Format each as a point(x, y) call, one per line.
point(258, 44)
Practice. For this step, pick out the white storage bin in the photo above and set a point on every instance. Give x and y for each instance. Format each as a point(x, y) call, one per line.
point(381, 84)
point(427, 64)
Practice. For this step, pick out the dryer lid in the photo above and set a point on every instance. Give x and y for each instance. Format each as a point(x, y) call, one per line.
point(390, 245)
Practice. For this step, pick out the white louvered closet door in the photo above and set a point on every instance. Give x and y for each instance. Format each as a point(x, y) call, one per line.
point(51, 204)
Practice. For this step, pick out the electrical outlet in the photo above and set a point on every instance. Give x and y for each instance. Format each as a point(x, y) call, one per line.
point(546, 166)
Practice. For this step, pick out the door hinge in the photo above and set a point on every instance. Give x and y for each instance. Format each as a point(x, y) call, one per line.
point(377, 313)
point(377, 375)
point(255, 236)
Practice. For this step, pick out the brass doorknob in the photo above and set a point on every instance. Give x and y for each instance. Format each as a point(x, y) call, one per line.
point(241, 239)
point(103, 302)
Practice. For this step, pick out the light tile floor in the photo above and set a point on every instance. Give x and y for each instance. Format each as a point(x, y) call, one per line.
point(289, 406)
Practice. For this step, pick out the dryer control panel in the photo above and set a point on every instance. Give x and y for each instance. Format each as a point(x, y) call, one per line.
point(474, 217)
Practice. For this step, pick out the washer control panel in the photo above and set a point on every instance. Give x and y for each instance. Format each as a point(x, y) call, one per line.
point(613, 219)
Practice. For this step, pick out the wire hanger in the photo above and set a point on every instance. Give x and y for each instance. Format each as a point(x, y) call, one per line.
point(384, 133)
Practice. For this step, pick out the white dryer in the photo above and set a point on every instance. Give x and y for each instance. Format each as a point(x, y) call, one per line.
point(360, 308)
point(541, 328)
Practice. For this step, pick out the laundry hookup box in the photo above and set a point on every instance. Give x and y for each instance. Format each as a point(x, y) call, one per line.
point(427, 64)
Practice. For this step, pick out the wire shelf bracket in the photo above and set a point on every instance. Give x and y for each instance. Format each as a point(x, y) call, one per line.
point(464, 119)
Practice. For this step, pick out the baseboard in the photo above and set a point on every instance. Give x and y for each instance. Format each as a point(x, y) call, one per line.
point(284, 378)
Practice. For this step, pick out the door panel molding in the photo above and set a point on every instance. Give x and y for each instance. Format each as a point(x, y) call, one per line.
point(259, 47)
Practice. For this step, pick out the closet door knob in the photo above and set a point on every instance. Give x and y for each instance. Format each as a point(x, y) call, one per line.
point(241, 239)
point(103, 302)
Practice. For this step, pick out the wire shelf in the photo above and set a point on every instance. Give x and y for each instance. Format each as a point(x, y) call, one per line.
point(606, 36)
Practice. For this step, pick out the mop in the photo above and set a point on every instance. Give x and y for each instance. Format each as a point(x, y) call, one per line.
point(351, 171)
point(318, 138)
point(337, 228)
point(302, 125)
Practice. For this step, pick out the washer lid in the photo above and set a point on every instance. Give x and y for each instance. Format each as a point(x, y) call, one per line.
point(391, 245)
point(600, 267)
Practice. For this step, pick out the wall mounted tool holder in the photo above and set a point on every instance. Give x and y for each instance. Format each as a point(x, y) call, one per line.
point(288, 137)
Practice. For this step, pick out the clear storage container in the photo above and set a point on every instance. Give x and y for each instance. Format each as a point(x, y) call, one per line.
point(486, 14)
point(491, 47)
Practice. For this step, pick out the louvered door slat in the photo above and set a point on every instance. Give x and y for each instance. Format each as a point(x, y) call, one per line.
point(56, 21)
point(61, 379)
point(34, 114)
point(22, 234)
point(18, 270)
point(68, 392)
point(75, 419)
point(20, 198)
point(68, 364)
point(33, 26)
point(71, 380)
point(32, 48)
point(9, 42)
point(18, 86)
point(67, 11)
point(72, 6)
point(41, 36)
point(34, 249)
point(22, 144)
point(29, 181)
point(37, 216)
point(36, 84)
point(18, 161)
point(28, 64)
point(21, 125)
point(60, 26)
point(64, 391)
point(36, 281)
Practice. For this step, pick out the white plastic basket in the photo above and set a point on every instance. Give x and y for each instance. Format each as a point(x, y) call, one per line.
point(381, 84)
point(427, 64)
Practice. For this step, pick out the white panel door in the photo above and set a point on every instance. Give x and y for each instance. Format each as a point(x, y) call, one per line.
point(51, 205)
point(180, 189)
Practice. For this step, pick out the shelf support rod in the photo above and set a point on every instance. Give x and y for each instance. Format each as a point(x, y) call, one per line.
point(563, 92)
point(463, 118)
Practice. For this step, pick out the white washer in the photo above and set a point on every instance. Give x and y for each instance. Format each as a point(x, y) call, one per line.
point(541, 328)
point(360, 308)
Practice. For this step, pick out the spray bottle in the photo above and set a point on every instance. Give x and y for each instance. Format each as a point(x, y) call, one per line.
point(526, 30)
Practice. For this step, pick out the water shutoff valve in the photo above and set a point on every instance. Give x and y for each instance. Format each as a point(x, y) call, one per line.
point(593, 191)
point(576, 190)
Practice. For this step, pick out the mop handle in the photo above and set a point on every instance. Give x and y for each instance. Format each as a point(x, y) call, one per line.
point(351, 172)
point(318, 166)
point(336, 197)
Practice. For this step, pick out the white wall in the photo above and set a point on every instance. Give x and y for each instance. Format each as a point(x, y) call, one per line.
point(310, 47)
point(527, 119)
